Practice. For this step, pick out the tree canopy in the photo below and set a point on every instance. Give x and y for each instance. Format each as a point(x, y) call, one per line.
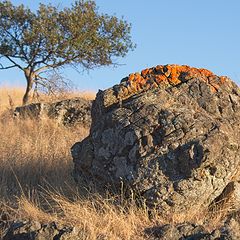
point(51, 38)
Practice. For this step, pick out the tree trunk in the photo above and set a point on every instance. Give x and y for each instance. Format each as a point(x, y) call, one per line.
point(30, 80)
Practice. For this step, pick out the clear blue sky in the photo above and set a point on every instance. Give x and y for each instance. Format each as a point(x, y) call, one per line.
point(199, 33)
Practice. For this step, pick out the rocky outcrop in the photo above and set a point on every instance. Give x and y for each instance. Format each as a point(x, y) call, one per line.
point(171, 134)
point(67, 112)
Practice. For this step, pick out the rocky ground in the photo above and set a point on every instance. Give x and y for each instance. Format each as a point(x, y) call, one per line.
point(35, 230)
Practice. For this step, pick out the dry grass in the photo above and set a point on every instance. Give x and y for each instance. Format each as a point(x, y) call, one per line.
point(35, 153)
point(36, 182)
point(10, 97)
point(97, 218)
point(35, 163)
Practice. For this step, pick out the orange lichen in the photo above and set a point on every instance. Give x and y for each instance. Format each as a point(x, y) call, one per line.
point(168, 75)
point(131, 77)
point(160, 79)
point(205, 72)
point(146, 71)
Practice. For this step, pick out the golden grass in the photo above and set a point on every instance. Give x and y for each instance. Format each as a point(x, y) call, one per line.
point(35, 153)
point(36, 182)
point(34, 158)
point(7, 95)
point(97, 218)
point(36, 163)
point(12, 97)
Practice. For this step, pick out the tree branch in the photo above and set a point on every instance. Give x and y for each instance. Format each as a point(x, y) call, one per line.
point(41, 69)
point(57, 64)
point(18, 43)
point(8, 67)
point(43, 60)
point(13, 62)
point(35, 53)
point(47, 66)
point(40, 80)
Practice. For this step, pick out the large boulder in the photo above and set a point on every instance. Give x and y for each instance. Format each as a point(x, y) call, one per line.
point(171, 134)
point(68, 112)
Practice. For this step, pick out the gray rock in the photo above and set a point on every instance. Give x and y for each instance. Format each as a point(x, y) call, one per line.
point(231, 228)
point(67, 112)
point(171, 135)
point(32, 230)
point(186, 231)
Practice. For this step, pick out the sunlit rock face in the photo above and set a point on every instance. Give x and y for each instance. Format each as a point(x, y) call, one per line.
point(170, 133)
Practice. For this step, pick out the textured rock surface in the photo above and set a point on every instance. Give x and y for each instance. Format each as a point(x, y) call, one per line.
point(185, 231)
point(25, 230)
point(188, 231)
point(171, 134)
point(66, 112)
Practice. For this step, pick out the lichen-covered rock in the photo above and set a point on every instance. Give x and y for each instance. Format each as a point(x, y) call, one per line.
point(171, 134)
point(67, 112)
